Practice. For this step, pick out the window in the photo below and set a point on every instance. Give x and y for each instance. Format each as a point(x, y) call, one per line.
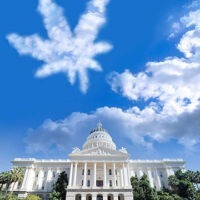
point(116, 171)
point(110, 183)
point(110, 172)
point(116, 183)
point(88, 171)
point(42, 187)
point(45, 174)
point(88, 183)
point(37, 174)
point(19, 185)
point(54, 174)
point(163, 185)
point(161, 174)
point(82, 182)
point(99, 183)
point(82, 171)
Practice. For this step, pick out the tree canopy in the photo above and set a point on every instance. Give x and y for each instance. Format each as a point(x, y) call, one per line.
point(183, 186)
point(59, 188)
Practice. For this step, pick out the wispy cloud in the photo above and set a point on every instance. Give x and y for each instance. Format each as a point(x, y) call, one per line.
point(71, 53)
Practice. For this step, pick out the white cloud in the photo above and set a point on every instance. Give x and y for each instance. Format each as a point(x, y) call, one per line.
point(169, 92)
point(133, 124)
point(170, 89)
point(66, 52)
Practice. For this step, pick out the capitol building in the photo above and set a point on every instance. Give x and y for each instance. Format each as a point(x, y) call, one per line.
point(98, 171)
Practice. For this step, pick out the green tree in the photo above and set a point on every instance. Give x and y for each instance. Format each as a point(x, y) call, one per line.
point(8, 197)
point(194, 177)
point(33, 197)
point(197, 195)
point(17, 175)
point(59, 188)
point(142, 189)
point(165, 196)
point(7, 179)
point(182, 185)
point(2, 180)
point(173, 183)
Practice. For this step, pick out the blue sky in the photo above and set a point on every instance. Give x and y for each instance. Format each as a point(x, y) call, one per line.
point(142, 81)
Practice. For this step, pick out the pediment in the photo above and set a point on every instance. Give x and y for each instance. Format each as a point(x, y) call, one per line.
point(99, 151)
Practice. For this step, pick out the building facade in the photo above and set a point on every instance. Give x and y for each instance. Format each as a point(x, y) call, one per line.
point(98, 171)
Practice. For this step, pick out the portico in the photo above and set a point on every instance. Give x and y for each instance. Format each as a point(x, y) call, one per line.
point(99, 168)
point(99, 174)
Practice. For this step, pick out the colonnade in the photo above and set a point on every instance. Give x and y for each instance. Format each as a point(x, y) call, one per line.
point(123, 169)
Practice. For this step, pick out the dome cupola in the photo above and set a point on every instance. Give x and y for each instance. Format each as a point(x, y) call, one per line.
point(99, 137)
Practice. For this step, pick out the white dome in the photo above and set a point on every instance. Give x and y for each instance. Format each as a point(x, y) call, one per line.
point(99, 137)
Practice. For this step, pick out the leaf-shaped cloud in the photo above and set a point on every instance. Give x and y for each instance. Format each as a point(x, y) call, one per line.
point(65, 51)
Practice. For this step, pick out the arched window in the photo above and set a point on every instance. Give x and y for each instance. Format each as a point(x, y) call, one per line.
point(88, 171)
point(78, 197)
point(110, 172)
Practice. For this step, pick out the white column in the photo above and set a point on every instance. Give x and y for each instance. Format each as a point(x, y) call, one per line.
point(40, 179)
point(16, 186)
point(171, 172)
point(128, 175)
point(149, 174)
point(124, 174)
point(85, 175)
point(114, 173)
point(105, 178)
point(122, 179)
point(25, 179)
point(49, 177)
point(105, 197)
point(94, 196)
point(95, 175)
point(83, 196)
point(75, 174)
point(30, 179)
point(140, 173)
point(71, 174)
point(167, 172)
point(115, 197)
point(158, 180)
point(132, 173)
